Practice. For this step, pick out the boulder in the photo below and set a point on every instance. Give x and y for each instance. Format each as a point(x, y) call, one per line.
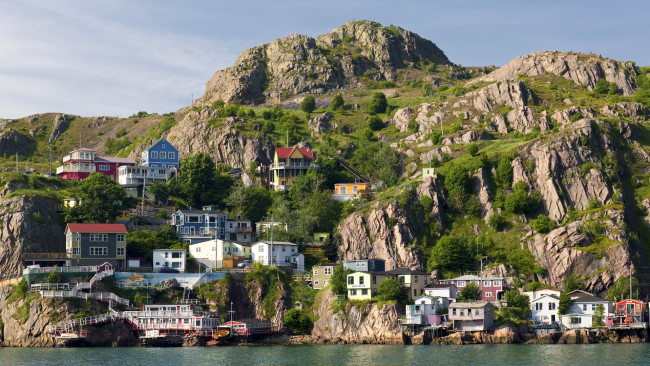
point(320, 124)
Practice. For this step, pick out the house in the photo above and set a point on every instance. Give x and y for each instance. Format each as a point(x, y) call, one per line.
point(491, 288)
point(365, 265)
point(321, 276)
point(544, 309)
point(629, 313)
point(414, 281)
point(582, 310)
point(288, 163)
point(279, 253)
point(160, 154)
point(448, 292)
point(169, 258)
point(239, 230)
point(471, 316)
point(346, 191)
point(80, 163)
point(320, 238)
point(363, 285)
point(123, 217)
point(129, 175)
point(246, 327)
point(95, 244)
point(532, 295)
point(196, 226)
point(423, 311)
point(220, 253)
point(428, 172)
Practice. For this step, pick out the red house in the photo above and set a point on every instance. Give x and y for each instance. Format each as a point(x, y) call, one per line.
point(630, 311)
point(491, 288)
point(80, 163)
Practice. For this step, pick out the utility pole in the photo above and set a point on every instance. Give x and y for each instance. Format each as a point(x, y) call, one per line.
point(630, 280)
point(16, 161)
point(272, 225)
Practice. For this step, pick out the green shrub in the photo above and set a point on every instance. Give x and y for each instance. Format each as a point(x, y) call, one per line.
point(392, 290)
point(339, 280)
point(375, 123)
point(54, 277)
point(496, 221)
point(298, 322)
point(378, 103)
point(543, 224)
point(336, 102)
point(121, 132)
point(219, 103)
point(308, 104)
point(472, 149)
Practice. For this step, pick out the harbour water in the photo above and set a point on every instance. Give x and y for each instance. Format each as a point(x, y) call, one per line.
point(484, 355)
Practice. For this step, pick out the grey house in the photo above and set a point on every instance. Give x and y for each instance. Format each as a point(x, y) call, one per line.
point(365, 265)
point(471, 316)
point(95, 244)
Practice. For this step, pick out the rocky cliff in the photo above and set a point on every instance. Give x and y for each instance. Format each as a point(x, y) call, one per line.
point(356, 323)
point(29, 224)
point(299, 64)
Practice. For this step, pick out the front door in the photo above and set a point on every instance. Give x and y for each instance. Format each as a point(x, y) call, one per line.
point(552, 318)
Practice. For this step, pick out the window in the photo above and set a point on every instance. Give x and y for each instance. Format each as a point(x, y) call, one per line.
point(453, 311)
point(355, 189)
point(75, 236)
point(163, 146)
point(316, 282)
point(193, 219)
point(351, 280)
point(154, 154)
point(496, 283)
point(539, 306)
point(576, 320)
point(171, 155)
point(315, 272)
point(284, 249)
point(401, 279)
point(176, 264)
point(260, 248)
point(584, 307)
point(488, 294)
point(75, 251)
point(551, 306)
point(121, 237)
point(415, 292)
point(103, 168)
point(371, 264)
point(328, 270)
point(325, 283)
point(353, 292)
point(163, 155)
point(176, 255)
point(98, 237)
point(460, 283)
point(462, 312)
point(425, 280)
point(120, 252)
point(99, 251)
point(476, 312)
point(374, 280)
point(593, 307)
point(361, 280)
point(487, 283)
point(198, 249)
point(364, 292)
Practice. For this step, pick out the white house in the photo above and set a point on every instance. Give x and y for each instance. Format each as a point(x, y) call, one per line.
point(532, 295)
point(443, 291)
point(424, 311)
point(171, 258)
point(282, 254)
point(581, 312)
point(544, 309)
point(127, 174)
point(239, 230)
point(212, 252)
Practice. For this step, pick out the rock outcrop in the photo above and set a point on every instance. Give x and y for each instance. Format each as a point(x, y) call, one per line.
point(356, 324)
point(582, 69)
point(320, 124)
point(12, 142)
point(59, 125)
point(299, 64)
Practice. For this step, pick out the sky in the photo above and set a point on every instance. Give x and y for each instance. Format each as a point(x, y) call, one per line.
point(118, 57)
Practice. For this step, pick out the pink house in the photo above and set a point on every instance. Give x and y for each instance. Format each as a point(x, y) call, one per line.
point(80, 163)
point(491, 287)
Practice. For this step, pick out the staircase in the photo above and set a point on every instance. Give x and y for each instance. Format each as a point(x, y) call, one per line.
point(351, 169)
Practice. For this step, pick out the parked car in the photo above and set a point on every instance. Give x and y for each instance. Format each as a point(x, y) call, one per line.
point(245, 263)
point(49, 175)
point(167, 270)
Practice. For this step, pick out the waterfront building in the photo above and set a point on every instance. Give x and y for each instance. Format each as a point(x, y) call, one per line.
point(239, 230)
point(80, 163)
point(491, 288)
point(544, 309)
point(220, 253)
point(471, 316)
point(346, 191)
point(365, 265)
point(582, 310)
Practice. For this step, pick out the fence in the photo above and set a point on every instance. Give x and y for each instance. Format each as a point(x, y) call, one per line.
point(29, 270)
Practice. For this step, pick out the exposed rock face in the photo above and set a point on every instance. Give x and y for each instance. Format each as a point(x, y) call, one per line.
point(367, 324)
point(299, 64)
point(465, 137)
point(636, 111)
point(482, 189)
point(437, 152)
point(30, 225)
point(510, 93)
point(320, 124)
point(59, 126)
point(224, 143)
point(498, 124)
point(558, 253)
point(564, 116)
point(523, 119)
point(12, 142)
point(582, 69)
point(384, 234)
point(402, 118)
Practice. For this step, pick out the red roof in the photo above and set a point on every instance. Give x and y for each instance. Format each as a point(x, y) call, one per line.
point(97, 228)
point(285, 152)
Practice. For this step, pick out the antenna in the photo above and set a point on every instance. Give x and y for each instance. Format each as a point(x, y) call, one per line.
point(287, 137)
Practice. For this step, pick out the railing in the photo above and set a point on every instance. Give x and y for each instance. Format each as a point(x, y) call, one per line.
point(75, 169)
point(50, 286)
point(244, 229)
point(290, 165)
point(29, 270)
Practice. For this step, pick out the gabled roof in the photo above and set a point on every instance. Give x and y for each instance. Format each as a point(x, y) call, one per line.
point(268, 242)
point(588, 298)
point(435, 286)
point(285, 152)
point(160, 140)
point(547, 295)
point(201, 212)
point(470, 305)
point(473, 278)
point(96, 228)
point(579, 293)
point(110, 159)
point(404, 271)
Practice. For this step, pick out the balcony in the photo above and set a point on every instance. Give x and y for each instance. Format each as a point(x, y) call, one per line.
point(75, 168)
point(292, 165)
point(244, 229)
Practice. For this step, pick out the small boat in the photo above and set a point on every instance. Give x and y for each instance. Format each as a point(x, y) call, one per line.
point(221, 334)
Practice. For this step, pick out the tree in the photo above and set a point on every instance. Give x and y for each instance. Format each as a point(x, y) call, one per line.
point(496, 221)
point(519, 201)
point(121, 132)
point(339, 280)
point(621, 290)
point(601, 87)
point(392, 290)
point(378, 103)
point(101, 198)
point(504, 172)
point(54, 277)
point(572, 283)
point(470, 292)
point(375, 123)
point(565, 304)
point(250, 202)
point(308, 104)
point(336, 102)
point(298, 322)
point(451, 251)
point(599, 314)
point(517, 300)
point(200, 183)
point(472, 149)
point(543, 224)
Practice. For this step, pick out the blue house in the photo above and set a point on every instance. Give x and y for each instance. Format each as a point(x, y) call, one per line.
point(161, 154)
point(197, 226)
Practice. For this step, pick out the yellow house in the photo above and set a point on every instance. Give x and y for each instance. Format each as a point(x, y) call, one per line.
point(414, 281)
point(345, 191)
point(288, 163)
point(364, 285)
point(428, 172)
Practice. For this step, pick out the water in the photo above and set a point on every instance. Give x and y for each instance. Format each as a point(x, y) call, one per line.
point(591, 354)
